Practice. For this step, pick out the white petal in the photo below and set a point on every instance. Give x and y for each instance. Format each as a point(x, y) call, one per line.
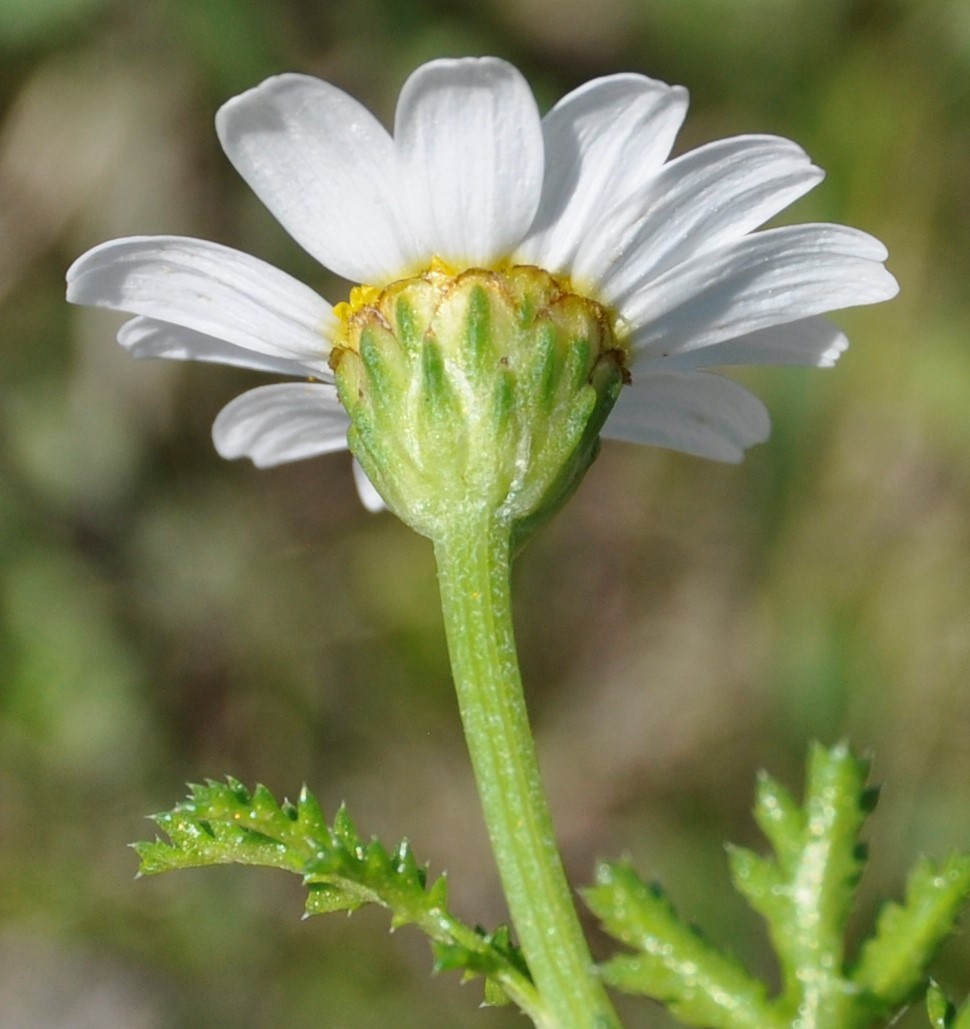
point(327, 169)
point(275, 424)
point(814, 342)
point(210, 289)
point(700, 201)
point(770, 278)
point(470, 141)
point(146, 337)
point(695, 412)
point(369, 497)
point(602, 142)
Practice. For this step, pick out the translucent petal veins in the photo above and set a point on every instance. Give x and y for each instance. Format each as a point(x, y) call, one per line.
point(473, 180)
point(207, 288)
point(326, 168)
point(600, 141)
point(284, 422)
point(470, 145)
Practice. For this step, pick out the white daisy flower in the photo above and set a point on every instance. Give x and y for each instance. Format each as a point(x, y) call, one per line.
point(473, 178)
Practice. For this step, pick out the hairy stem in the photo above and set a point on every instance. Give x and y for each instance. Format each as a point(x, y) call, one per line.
point(474, 558)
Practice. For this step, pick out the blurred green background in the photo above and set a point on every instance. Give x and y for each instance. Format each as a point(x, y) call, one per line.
point(166, 616)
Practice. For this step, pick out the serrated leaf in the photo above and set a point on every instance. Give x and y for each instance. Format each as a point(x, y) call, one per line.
point(892, 963)
point(495, 996)
point(673, 962)
point(942, 1013)
point(780, 818)
point(804, 891)
point(939, 1008)
point(347, 873)
point(489, 954)
point(756, 878)
point(225, 823)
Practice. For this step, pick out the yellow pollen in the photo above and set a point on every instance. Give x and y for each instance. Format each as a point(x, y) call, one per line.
point(441, 267)
point(360, 297)
point(439, 270)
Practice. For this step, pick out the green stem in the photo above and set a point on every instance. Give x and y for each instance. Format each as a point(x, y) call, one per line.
point(474, 558)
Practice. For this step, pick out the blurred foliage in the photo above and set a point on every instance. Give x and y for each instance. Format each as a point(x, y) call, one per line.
point(165, 616)
point(805, 891)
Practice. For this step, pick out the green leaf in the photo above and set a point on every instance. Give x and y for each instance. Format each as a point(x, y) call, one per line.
point(892, 964)
point(943, 1014)
point(673, 962)
point(486, 958)
point(346, 873)
point(222, 823)
point(780, 818)
point(805, 892)
point(939, 1008)
point(225, 823)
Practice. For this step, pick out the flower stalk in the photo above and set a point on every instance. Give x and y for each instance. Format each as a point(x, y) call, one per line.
point(526, 286)
point(474, 557)
point(476, 401)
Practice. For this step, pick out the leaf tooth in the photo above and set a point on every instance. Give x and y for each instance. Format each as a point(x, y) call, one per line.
point(344, 828)
point(263, 805)
point(238, 789)
point(309, 810)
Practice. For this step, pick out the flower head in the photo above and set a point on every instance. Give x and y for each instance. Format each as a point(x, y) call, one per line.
point(472, 178)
